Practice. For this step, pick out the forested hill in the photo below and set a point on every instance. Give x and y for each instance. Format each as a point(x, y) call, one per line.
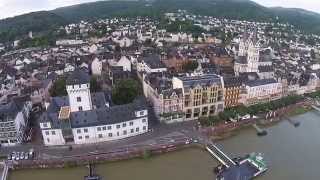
point(235, 9)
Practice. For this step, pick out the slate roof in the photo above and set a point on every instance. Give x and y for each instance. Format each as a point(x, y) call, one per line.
point(102, 115)
point(260, 82)
point(232, 82)
point(241, 60)
point(78, 77)
point(205, 80)
point(153, 61)
point(263, 69)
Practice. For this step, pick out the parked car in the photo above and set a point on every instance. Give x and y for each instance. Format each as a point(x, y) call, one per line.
point(22, 155)
point(9, 157)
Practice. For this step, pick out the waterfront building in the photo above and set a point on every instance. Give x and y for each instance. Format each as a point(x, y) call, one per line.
point(232, 88)
point(262, 90)
point(167, 102)
point(14, 118)
point(203, 95)
point(83, 117)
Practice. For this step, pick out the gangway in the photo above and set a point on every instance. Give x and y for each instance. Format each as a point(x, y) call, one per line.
point(219, 155)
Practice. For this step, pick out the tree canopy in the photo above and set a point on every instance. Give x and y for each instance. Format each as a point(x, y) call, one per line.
point(125, 91)
point(59, 87)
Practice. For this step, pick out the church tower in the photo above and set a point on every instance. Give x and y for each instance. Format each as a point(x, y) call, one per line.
point(78, 88)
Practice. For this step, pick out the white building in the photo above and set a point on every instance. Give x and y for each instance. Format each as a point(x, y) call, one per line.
point(83, 117)
point(96, 67)
point(13, 121)
point(151, 64)
point(262, 90)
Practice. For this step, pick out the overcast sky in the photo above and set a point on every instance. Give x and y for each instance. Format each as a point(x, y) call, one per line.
point(9, 8)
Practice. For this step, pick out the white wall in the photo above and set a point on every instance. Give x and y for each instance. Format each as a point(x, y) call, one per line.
point(102, 133)
point(53, 137)
point(82, 91)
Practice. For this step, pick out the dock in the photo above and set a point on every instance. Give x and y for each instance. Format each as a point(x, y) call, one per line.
point(219, 155)
point(240, 168)
point(91, 175)
point(4, 169)
point(315, 107)
point(260, 132)
point(291, 121)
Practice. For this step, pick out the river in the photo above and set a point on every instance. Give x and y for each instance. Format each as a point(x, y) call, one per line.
point(291, 153)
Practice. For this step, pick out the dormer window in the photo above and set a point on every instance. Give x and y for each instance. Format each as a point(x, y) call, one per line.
point(141, 113)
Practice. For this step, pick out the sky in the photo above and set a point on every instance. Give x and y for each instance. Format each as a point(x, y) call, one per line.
point(9, 8)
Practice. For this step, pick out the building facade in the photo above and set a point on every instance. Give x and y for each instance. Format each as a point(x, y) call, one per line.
point(203, 95)
point(82, 117)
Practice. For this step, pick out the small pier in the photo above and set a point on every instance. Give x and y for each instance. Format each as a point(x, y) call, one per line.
point(91, 175)
point(291, 121)
point(260, 132)
point(316, 108)
point(4, 169)
point(219, 155)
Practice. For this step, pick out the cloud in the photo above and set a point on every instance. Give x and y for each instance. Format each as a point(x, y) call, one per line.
point(311, 5)
point(9, 8)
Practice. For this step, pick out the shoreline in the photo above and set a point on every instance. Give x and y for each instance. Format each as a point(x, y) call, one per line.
point(216, 133)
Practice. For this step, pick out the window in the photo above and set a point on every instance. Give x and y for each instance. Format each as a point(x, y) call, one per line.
point(47, 132)
point(48, 140)
point(99, 128)
point(45, 125)
point(137, 129)
point(144, 120)
point(87, 137)
point(141, 113)
point(109, 127)
point(78, 131)
point(144, 128)
point(124, 132)
point(80, 108)
point(132, 130)
point(100, 135)
point(118, 126)
point(131, 123)
point(53, 132)
point(110, 134)
point(80, 137)
point(104, 128)
point(118, 133)
point(78, 99)
point(85, 130)
point(124, 125)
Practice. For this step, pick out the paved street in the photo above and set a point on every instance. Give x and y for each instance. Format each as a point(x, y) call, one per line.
point(160, 134)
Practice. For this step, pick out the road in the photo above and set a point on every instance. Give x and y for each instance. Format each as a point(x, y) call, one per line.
point(160, 134)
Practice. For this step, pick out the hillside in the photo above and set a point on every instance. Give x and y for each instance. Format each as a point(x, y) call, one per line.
point(235, 9)
point(36, 22)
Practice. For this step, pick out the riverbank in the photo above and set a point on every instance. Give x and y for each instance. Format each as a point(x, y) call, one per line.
point(226, 130)
point(103, 157)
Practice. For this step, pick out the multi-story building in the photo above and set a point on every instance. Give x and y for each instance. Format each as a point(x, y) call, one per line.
point(262, 90)
point(232, 88)
point(82, 117)
point(203, 95)
point(14, 118)
point(167, 102)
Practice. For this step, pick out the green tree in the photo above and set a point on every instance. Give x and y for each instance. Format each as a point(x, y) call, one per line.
point(190, 66)
point(59, 87)
point(95, 86)
point(125, 91)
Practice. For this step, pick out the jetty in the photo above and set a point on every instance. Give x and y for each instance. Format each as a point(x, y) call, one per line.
point(239, 168)
point(4, 169)
point(291, 121)
point(219, 155)
point(260, 132)
point(315, 107)
point(91, 175)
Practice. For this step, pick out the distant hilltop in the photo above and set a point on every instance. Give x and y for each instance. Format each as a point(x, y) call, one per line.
point(233, 9)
